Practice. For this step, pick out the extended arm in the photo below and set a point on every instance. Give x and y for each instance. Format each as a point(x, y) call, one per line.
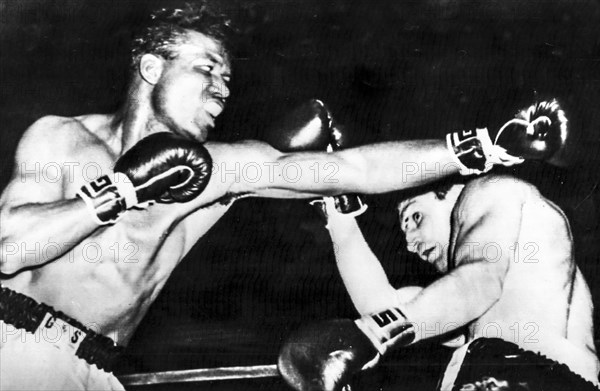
point(255, 168)
point(381, 167)
point(537, 132)
point(258, 169)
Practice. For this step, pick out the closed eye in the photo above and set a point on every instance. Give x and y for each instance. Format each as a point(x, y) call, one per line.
point(205, 68)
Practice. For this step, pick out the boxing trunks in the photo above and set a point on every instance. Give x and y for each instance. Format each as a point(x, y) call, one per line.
point(494, 364)
point(44, 349)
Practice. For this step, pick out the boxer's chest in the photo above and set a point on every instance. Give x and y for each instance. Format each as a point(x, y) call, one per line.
point(111, 277)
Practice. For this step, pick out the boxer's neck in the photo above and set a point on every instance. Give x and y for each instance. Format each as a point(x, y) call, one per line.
point(137, 119)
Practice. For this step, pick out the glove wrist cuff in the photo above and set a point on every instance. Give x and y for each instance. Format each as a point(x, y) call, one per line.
point(350, 205)
point(329, 209)
point(107, 198)
point(126, 189)
point(470, 150)
point(462, 169)
point(387, 328)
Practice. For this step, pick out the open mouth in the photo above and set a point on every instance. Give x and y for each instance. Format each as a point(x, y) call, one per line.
point(425, 253)
point(214, 108)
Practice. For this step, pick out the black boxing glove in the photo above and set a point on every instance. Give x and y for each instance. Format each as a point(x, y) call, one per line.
point(310, 127)
point(536, 132)
point(306, 128)
point(162, 167)
point(324, 356)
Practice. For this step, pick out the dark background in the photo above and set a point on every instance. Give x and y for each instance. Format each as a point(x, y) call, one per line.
point(389, 70)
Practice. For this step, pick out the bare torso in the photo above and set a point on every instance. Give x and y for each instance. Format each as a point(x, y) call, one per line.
point(109, 279)
point(545, 304)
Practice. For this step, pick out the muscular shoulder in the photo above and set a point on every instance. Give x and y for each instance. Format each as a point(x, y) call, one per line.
point(54, 136)
point(490, 200)
point(495, 188)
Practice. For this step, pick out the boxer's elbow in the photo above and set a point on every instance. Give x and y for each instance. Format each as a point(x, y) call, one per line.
point(349, 172)
point(486, 290)
point(480, 287)
point(372, 302)
point(309, 173)
point(10, 250)
point(7, 265)
point(9, 259)
point(250, 167)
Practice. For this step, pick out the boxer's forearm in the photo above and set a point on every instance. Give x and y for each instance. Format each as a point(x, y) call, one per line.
point(33, 234)
point(399, 165)
point(256, 168)
point(454, 300)
point(362, 273)
point(374, 168)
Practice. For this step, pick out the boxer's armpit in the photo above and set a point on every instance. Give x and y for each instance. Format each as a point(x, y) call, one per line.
point(198, 223)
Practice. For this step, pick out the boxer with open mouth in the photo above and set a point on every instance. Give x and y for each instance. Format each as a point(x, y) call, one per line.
point(110, 241)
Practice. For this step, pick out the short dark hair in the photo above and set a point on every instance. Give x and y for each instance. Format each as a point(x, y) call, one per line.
point(442, 190)
point(167, 29)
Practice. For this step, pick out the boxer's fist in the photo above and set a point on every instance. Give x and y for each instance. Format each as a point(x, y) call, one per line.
point(311, 127)
point(306, 128)
point(162, 168)
point(166, 168)
point(323, 356)
point(537, 133)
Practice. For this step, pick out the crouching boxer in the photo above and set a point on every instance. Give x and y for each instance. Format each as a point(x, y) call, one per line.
point(102, 207)
point(506, 255)
point(509, 287)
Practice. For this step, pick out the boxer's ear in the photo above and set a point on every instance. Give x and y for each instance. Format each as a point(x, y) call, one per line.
point(151, 67)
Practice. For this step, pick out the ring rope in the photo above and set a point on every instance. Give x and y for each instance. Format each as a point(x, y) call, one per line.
point(198, 375)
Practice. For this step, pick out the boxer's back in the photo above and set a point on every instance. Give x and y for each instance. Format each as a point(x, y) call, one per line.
point(545, 304)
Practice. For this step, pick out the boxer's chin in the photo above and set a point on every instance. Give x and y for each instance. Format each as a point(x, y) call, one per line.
point(200, 133)
point(441, 265)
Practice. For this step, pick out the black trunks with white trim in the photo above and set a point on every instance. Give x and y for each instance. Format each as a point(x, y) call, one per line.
point(23, 312)
point(494, 364)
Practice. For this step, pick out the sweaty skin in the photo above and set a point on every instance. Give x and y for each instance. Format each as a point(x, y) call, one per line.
point(545, 304)
point(511, 272)
point(107, 276)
